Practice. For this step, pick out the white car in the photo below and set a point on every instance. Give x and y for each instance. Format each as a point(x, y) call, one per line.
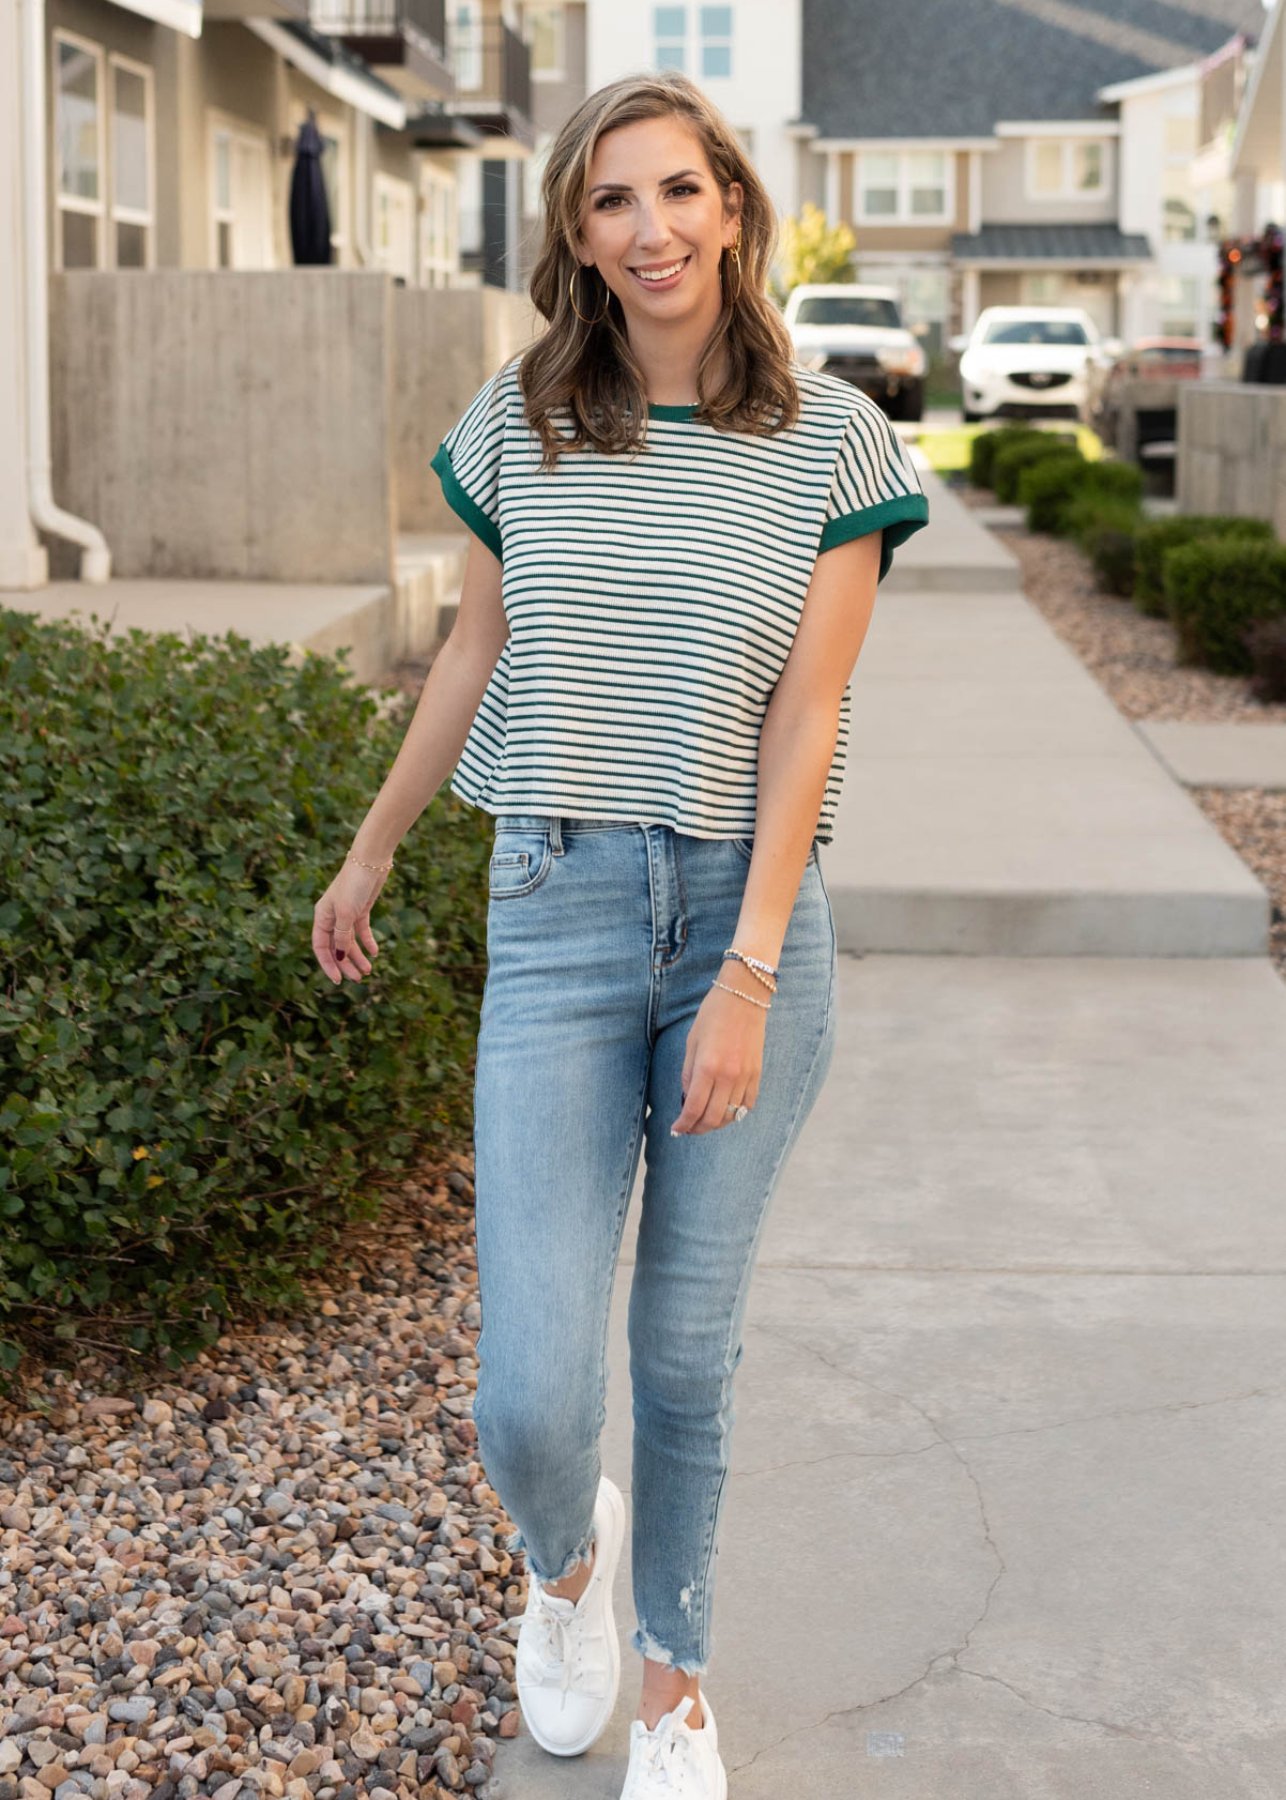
point(1026, 360)
point(856, 331)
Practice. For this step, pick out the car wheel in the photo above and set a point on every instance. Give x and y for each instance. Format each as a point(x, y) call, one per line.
point(969, 415)
point(911, 403)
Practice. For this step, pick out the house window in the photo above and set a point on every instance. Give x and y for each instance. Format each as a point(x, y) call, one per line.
point(240, 197)
point(546, 31)
point(670, 31)
point(716, 41)
point(133, 205)
point(1179, 215)
point(904, 186)
point(466, 42)
point(1179, 306)
point(79, 181)
point(1040, 288)
point(438, 237)
point(1066, 168)
point(394, 226)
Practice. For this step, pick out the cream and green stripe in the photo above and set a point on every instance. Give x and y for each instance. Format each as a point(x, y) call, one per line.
point(652, 599)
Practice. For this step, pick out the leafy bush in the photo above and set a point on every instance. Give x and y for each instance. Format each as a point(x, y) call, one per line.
point(1048, 488)
point(1215, 589)
point(1009, 459)
point(1106, 530)
point(1266, 641)
point(985, 445)
point(1160, 535)
point(190, 1109)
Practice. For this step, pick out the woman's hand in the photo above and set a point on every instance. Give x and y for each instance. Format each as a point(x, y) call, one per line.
point(725, 1054)
point(341, 917)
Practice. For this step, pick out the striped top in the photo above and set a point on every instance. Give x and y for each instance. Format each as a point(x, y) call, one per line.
point(652, 598)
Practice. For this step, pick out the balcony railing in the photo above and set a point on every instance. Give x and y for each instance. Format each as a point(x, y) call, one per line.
point(492, 68)
point(382, 18)
point(404, 39)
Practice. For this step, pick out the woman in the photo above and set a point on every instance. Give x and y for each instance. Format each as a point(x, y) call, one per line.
point(677, 535)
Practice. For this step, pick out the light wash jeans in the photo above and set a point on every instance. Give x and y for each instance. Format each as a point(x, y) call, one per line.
point(602, 940)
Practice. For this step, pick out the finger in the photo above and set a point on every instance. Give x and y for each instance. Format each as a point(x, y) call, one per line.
point(323, 952)
point(367, 935)
point(716, 1113)
point(697, 1095)
point(351, 960)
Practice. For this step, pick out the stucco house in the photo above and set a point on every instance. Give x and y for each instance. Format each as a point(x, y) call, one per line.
point(993, 152)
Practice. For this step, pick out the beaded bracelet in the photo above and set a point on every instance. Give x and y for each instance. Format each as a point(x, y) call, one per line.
point(766, 1004)
point(378, 867)
point(752, 962)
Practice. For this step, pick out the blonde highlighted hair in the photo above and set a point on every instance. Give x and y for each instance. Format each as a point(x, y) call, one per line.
point(589, 369)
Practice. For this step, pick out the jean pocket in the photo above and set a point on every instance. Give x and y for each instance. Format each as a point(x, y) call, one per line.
point(520, 861)
point(746, 846)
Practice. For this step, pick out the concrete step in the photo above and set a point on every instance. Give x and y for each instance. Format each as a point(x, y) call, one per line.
point(996, 802)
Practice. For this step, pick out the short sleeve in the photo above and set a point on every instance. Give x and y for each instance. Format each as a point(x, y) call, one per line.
point(875, 487)
point(467, 462)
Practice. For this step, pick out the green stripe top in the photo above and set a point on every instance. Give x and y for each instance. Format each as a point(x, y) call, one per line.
point(652, 598)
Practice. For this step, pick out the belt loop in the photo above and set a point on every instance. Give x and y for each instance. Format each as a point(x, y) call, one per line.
point(556, 834)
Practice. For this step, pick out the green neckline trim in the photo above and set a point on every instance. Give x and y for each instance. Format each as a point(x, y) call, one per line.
point(670, 412)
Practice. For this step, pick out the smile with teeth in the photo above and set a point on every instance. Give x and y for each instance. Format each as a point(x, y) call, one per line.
point(661, 274)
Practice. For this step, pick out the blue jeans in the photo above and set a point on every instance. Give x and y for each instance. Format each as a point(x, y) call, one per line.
point(603, 937)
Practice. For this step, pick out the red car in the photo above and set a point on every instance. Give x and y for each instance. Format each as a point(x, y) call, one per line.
point(1159, 359)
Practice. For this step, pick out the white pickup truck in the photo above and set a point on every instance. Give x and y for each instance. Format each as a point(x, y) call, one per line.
point(856, 332)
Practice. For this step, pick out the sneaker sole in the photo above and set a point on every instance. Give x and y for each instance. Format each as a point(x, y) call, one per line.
point(607, 1566)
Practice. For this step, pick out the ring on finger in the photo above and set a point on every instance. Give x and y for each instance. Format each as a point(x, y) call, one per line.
point(738, 1112)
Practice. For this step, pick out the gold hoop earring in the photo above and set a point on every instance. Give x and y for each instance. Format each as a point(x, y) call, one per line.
point(734, 250)
point(576, 309)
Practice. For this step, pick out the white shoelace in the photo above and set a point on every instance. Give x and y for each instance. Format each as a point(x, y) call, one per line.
point(669, 1757)
point(559, 1641)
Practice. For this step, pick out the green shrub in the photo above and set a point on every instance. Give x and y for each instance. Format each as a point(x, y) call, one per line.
point(191, 1111)
point(1009, 459)
point(1160, 535)
point(1044, 487)
point(1215, 589)
point(984, 446)
point(1266, 641)
point(1106, 530)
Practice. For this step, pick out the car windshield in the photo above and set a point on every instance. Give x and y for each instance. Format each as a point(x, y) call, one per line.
point(1168, 353)
point(848, 309)
point(1035, 331)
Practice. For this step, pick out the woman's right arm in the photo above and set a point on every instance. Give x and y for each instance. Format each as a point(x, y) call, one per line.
point(429, 752)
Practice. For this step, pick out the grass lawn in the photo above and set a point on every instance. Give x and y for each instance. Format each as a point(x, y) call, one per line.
point(947, 448)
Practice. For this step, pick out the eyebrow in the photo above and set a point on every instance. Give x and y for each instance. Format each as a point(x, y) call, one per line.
point(624, 187)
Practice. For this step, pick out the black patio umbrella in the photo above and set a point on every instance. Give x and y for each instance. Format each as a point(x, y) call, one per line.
point(309, 208)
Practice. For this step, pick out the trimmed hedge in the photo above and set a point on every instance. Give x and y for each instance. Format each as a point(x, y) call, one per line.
point(1106, 531)
point(1048, 488)
point(191, 1111)
point(985, 445)
point(1010, 459)
point(1161, 535)
point(1215, 589)
point(1266, 641)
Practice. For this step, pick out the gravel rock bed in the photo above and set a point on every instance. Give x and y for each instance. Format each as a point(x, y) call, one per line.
point(279, 1572)
point(1132, 657)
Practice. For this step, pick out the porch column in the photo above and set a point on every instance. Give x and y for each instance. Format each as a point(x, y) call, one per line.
point(23, 561)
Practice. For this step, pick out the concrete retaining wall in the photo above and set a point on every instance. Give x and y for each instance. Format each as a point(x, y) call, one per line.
point(227, 425)
point(446, 341)
point(1232, 450)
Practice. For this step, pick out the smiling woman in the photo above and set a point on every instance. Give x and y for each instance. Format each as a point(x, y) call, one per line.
point(678, 534)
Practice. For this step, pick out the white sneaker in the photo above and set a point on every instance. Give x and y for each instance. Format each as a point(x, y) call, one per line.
point(567, 1668)
point(674, 1762)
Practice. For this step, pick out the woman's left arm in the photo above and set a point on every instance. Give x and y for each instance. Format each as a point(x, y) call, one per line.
point(796, 745)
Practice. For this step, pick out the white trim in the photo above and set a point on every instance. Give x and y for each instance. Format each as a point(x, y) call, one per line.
point(904, 143)
point(1068, 191)
point(237, 130)
point(975, 191)
point(832, 187)
point(1066, 128)
point(131, 215)
point(179, 15)
point(903, 215)
point(336, 81)
point(1150, 84)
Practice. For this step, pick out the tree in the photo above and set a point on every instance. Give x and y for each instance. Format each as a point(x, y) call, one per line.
point(812, 249)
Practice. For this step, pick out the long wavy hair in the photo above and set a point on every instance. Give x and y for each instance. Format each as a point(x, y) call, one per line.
point(589, 369)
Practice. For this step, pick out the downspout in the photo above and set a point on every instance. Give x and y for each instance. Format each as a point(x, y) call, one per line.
point(95, 557)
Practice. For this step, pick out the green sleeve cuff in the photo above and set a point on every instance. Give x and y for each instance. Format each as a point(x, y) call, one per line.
point(468, 509)
point(897, 519)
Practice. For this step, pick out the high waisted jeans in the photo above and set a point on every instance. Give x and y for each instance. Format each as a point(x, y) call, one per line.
point(603, 937)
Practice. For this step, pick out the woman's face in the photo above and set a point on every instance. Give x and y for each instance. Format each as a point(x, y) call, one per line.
point(652, 203)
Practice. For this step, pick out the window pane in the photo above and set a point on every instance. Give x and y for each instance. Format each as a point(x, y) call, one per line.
point(880, 200)
point(878, 170)
point(131, 246)
point(716, 59)
point(222, 171)
point(80, 240)
point(544, 46)
point(129, 139)
point(927, 168)
point(929, 202)
point(716, 21)
point(669, 56)
point(1087, 161)
point(1180, 221)
point(670, 21)
point(1049, 168)
point(77, 122)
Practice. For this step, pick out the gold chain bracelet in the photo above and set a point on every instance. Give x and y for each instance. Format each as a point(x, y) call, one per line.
point(378, 867)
